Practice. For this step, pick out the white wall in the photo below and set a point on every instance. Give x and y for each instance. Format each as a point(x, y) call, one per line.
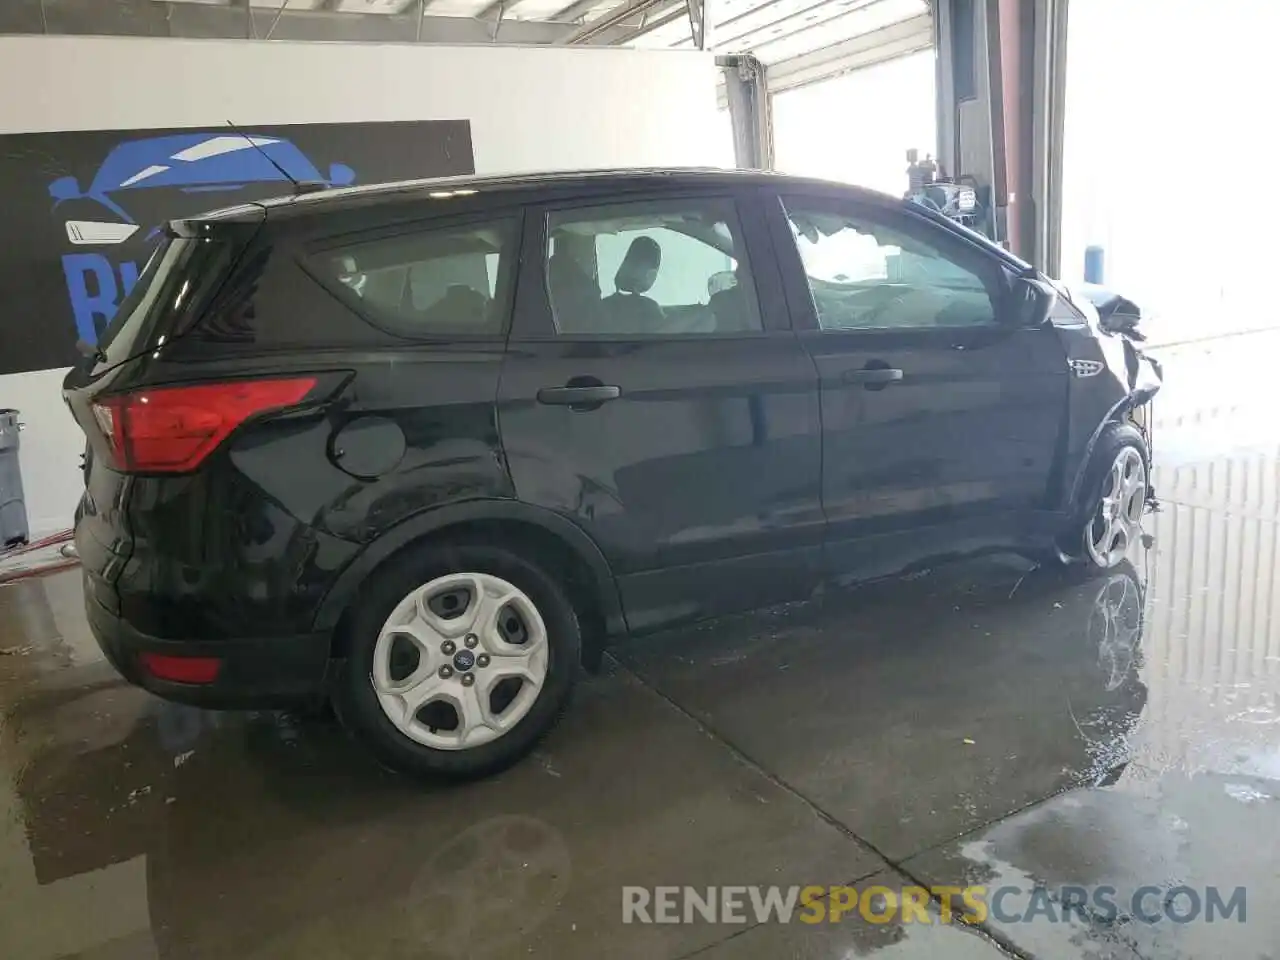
point(50, 448)
point(531, 108)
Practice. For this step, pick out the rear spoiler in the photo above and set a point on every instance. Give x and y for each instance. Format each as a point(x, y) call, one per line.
point(218, 221)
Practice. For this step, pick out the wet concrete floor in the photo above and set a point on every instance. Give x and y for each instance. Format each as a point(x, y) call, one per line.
point(1026, 731)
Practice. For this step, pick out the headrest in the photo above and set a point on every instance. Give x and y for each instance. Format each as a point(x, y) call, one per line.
point(639, 268)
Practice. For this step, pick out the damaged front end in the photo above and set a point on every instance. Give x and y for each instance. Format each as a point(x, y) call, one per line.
point(1118, 320)
point(1112, 377)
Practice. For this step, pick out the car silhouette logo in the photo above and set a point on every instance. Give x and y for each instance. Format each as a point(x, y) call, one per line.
point(191, 163)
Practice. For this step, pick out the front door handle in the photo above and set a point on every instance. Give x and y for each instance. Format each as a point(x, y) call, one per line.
point(579, 396)
point(873, 378)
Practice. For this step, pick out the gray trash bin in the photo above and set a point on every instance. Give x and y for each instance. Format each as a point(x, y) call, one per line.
point(13, 509)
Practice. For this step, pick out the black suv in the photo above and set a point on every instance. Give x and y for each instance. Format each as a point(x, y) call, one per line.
point(425, 448)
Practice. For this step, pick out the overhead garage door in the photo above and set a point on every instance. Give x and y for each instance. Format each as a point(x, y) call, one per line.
point(801, 41)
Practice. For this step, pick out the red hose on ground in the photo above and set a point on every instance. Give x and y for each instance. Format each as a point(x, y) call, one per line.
point(52, 564)
point(61, 537)
point(15, 575)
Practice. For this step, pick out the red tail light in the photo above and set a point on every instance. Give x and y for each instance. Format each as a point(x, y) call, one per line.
point(173, 429)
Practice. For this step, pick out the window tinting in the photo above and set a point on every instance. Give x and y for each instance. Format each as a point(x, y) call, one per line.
point(444, 280)
point(866, 275)
point(650, 268)
point(175, 286)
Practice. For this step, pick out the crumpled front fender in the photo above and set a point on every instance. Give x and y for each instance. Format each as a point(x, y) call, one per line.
point(1112, 381)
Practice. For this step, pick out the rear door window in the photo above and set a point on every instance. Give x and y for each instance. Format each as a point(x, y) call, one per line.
point(651, 268)
point(435, 280)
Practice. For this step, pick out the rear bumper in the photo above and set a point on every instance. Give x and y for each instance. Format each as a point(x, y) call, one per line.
point(255, 673)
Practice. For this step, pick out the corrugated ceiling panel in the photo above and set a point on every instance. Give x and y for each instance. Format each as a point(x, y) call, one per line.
point(793, 41)
point(456, 8)
point(673, 34)
point(362, 6)
point(777, 30)
point(809, 33)
point(533, 9)
point(770, 19)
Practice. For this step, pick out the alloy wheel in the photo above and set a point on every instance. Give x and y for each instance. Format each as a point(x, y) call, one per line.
point(1115, 626)
point(1117, 517)
point(460, 661)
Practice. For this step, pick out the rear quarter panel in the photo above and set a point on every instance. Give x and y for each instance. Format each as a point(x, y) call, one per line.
point(442, 401)
point(250, 544)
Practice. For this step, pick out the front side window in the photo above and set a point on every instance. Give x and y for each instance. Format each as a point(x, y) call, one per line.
point(442, 280)
point(650, 268)
point(866, 275)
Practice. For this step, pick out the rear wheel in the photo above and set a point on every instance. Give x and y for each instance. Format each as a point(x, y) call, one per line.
point(462, 657)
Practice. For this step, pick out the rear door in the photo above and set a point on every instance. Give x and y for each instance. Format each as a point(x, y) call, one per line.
point(940, 412)
point(654, 393)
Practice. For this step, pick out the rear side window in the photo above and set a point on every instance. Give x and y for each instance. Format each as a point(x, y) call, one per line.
point(435, 280)
point(174, 286)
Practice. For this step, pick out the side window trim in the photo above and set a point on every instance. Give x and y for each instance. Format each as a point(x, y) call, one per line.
point(989, 269)
point(506, 282)
point(534, 320)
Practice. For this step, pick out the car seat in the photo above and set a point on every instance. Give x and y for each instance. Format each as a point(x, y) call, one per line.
point(629, 310)
point(460, 307)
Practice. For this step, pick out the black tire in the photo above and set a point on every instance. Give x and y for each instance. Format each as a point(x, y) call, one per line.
point(356, 700)
point(1115, 437)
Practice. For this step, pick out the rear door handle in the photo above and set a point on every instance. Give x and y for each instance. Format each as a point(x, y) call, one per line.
point(872, 377)
point(579, 397)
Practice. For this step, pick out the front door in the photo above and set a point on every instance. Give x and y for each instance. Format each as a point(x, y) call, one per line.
point(654, 393)
point(941, 414)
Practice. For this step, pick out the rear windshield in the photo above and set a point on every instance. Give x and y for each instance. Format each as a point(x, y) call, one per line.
point(177, 281)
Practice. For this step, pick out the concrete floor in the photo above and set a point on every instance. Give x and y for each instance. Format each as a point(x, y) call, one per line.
point(976, 724)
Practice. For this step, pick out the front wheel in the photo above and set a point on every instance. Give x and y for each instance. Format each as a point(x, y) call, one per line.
point(462, 657)
point(1116, 496)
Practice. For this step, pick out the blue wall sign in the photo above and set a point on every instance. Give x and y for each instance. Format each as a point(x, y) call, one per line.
point(86, 209)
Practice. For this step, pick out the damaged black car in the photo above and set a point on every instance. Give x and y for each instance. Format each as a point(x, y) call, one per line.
point(425, 449)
